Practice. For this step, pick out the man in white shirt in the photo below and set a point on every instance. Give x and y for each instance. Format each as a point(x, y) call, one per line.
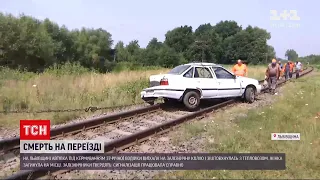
point(298, 69)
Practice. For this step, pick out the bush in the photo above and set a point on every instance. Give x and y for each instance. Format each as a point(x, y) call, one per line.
point(67, 69)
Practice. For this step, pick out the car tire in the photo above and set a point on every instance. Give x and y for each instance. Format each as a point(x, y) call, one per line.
point(249, 95)
point(191, 100)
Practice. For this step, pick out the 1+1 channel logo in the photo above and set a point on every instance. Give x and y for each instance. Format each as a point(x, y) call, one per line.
point(284, 19)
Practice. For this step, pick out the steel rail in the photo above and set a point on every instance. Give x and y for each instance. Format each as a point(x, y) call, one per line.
point(139, 136)
point(12, 143)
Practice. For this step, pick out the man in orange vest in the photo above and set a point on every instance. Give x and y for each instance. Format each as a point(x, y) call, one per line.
point(292, 65)
point(240, 69)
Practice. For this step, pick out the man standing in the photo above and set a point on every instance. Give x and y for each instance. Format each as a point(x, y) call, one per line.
point(286, 70)
point(240, 69)
point(272, 74)
point(298, 69)
point(281, 69)
point(291, 69)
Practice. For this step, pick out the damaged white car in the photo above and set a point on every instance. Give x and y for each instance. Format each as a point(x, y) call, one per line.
point(189, 83)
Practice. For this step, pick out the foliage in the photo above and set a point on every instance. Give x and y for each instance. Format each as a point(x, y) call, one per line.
point(33, 45)
point(312, 59)
point(27, 43)
point(292, 55)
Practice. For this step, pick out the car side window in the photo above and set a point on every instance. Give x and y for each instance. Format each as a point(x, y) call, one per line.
point(222, 73)
point(189, 73)
point(202, 72)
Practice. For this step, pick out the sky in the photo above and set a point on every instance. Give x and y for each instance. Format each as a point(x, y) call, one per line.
point(142, 20)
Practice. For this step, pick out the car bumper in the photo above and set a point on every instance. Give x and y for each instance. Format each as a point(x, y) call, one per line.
point(258, 87)
point(156, 93)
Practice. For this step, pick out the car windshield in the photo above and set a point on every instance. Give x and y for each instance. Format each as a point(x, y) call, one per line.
point(179, 69)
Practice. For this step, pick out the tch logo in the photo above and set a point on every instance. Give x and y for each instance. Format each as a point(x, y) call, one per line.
point(34, 129)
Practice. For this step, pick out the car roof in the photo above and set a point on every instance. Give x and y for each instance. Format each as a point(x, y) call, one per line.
point(203, 64)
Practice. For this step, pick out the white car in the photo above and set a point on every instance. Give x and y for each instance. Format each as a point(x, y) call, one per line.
point(192, 82)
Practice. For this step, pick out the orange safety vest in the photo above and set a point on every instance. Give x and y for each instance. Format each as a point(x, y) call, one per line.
point(291, 66)
point(240, 70)
point(287, 64)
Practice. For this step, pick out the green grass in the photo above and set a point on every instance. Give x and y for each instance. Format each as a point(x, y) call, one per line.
point(67, 87)
point(72, 86)
point(297, 111)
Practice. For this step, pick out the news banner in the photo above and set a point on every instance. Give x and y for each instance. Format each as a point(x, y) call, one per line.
point(38, 152)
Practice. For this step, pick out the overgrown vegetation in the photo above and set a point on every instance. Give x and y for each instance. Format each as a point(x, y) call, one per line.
point(239, 130)
point(34, 45)
point(68, 87)
point(313, 60)
point(71, 87)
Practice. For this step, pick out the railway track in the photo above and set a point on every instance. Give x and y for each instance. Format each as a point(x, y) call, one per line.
point(122, 130)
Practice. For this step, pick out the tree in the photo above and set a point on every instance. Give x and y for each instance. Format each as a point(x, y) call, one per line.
point(271, 53)
point(154, 44)
point(249, 44)
point(312, 59)
point(168, 57)
point(203, 28)
point(205, 47)
point(121, 53)
point(292, 55)
point(227, 28)
point(150, 56)
point(134, 51)
point(34, 45)
point(179, 38)
point(26, 43)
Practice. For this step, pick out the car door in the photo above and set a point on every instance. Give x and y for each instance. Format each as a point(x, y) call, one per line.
point(205, 80)
point(228, 84)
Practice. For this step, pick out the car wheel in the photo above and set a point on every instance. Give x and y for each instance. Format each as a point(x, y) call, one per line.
point(191, 100)
point(249, 95)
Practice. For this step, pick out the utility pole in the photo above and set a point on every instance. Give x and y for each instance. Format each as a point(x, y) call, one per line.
point(266, 58)
point(114, 54)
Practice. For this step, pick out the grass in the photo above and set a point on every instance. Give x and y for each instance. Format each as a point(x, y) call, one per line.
point(71, 87)
point(296, 111)
point(56, 90)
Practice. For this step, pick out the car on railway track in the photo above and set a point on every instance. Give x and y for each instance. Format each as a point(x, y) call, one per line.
point(189, 83)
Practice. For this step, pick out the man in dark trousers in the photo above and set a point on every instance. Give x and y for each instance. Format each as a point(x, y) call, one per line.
point(272, 74)
point(286, 70)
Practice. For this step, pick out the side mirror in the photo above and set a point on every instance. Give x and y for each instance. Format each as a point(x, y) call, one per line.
point(234, 77)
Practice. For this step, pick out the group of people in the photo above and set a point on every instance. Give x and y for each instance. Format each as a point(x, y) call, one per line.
point(274, 71)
